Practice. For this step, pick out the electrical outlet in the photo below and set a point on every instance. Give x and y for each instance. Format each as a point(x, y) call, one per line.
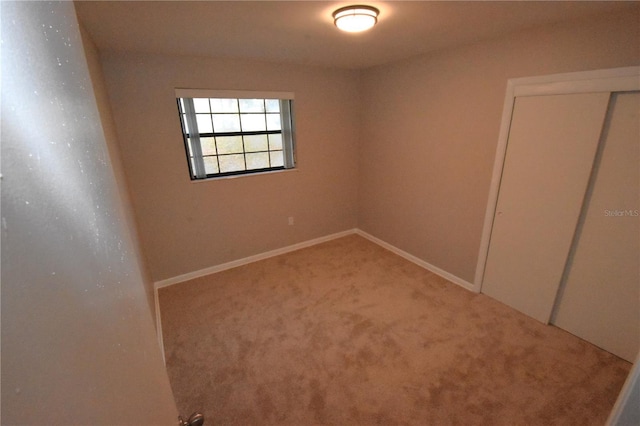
point(290, 220)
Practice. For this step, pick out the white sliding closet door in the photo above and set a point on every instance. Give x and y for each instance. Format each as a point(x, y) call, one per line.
point(600, 301)
point(550, 152)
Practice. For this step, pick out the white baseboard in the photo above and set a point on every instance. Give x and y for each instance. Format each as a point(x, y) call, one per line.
point(245, 261)
point(159, 324)
point(233, 264)
point(261, 256)
point(411, 258)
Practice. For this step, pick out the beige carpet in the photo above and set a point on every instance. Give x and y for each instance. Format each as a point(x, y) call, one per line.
point(347, 333)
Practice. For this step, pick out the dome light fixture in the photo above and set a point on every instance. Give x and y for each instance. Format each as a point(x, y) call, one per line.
point(354, 19)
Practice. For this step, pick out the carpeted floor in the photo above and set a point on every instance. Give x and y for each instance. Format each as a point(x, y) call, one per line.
point(348, 333)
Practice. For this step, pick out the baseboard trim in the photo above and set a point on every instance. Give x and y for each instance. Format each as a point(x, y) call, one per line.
point(426, 265)
point(261, 256)
point(245, 261)
point(159, 324)
point(229, 265)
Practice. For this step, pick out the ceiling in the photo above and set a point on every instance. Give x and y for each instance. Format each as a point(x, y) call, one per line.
point(303, 31)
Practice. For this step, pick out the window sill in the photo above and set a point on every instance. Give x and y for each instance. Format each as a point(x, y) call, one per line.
point(245, 175)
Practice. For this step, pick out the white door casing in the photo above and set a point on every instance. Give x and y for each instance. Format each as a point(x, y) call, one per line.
point(611, 80)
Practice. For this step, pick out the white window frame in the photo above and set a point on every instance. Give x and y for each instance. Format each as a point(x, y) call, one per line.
point(197, 169)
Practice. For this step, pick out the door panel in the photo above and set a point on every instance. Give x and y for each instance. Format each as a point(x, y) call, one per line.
point(550, 153)
point(600, 301)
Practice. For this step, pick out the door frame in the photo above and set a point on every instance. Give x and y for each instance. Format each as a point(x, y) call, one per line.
point(604, 80)
point(611, 80)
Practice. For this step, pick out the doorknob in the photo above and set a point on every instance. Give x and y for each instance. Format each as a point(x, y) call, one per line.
point(196, 419)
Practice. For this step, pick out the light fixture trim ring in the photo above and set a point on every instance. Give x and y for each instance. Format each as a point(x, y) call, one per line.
point(356, 10)
point(354, 7)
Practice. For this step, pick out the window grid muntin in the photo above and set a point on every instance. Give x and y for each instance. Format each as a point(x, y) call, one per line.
point(265, 113)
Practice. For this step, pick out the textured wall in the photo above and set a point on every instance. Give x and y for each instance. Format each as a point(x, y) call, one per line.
point(186, 226)
point(108, 127)
point(78, 343)
point(430, 129)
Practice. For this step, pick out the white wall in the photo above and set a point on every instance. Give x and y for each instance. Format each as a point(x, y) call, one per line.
point(186, 226)
point(430, 129)
point(404, 151)
point(109, 129)
point(78, 343)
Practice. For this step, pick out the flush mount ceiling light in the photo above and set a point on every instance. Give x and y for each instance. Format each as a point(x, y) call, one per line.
point(354, 19)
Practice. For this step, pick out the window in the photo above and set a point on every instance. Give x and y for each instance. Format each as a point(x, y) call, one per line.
point(230, 133)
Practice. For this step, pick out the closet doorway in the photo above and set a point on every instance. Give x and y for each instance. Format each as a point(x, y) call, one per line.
point(562, 232)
